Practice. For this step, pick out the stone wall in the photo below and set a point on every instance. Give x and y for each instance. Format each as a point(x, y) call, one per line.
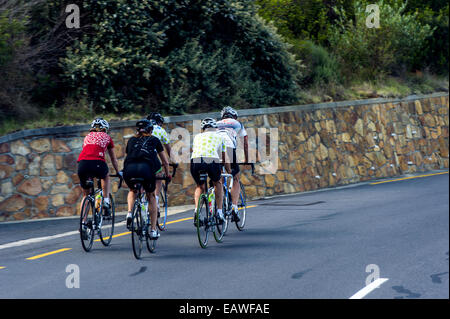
point(321, 145)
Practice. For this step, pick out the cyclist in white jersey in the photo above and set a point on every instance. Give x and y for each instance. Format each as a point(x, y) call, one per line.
point(162, 135)
point(208, 154)
point(230, 128)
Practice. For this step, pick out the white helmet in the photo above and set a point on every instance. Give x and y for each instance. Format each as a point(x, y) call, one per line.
point(228, 111)
point(100, 123)
point(208, 122)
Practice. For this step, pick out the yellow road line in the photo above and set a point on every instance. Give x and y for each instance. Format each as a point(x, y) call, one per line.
point(2, 267)
point(410, 177)
point(49, 253)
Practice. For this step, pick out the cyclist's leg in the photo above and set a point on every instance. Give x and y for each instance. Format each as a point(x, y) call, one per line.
point(235, 190)
point(195, 169)
point(83, 174)
point(214, 172)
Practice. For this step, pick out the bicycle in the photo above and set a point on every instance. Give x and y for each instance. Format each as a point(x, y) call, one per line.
point(141, 221)
point(242, 202)
point(206, 217)
point(163, 202)
point(93, 219)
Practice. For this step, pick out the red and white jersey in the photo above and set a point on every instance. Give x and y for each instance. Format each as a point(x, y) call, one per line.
point(230, 129)
point(95, 145)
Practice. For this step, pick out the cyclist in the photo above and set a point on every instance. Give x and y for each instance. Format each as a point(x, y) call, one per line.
point(142, 161)
point(205, 158)
point(162, 135)
point(230, 128)
point(91, 161)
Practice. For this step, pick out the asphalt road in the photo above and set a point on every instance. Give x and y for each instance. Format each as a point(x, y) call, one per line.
point(310, 245)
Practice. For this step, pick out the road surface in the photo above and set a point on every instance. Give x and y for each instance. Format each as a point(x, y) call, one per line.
point(337, 243)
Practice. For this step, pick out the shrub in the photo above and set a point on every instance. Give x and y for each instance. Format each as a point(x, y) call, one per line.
point(370, 52)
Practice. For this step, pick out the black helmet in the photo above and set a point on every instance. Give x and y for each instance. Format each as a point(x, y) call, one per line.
point(208, 122)
point(156, 116)
point(144, 125)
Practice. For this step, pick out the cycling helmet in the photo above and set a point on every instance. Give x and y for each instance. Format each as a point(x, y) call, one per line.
point(207, 123)
point(144, 125)
point(228, 112)
point(156, 116)
point(100, 123)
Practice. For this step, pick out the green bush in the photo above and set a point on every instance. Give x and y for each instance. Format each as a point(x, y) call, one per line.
point(372, 52)
point(320, 66)
point(179, 55)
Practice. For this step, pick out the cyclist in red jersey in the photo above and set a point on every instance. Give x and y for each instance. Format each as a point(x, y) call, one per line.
point(91, 161)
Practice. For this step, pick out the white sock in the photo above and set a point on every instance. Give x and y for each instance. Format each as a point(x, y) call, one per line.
point(157, 199)
point(129, 215)
point(219, 211)
point(235, 207)
point(107, 200)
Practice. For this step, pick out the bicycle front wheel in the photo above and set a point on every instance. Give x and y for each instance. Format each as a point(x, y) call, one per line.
point(226, 209)
point(107, 229)
point(202, 220)
point(242, 206)
point(87, 224)
point(137, 235)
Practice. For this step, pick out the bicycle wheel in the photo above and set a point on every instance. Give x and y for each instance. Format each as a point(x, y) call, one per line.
point(86, 224)
point(107, 229)
point(162, 210)
point(242, 206)
point(201, 221)
point(137, 230)
point(219, 226)
point(151, 243)
point(226, 209)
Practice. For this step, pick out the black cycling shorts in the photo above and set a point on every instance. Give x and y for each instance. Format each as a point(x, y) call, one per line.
point(91, 169)
point(140, 170)
point(212, 168)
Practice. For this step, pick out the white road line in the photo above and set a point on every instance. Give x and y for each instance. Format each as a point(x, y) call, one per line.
point(369, 288)
point(45, 238)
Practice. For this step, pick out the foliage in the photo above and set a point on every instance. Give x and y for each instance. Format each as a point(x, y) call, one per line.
point(371, 52)
point(180, 55)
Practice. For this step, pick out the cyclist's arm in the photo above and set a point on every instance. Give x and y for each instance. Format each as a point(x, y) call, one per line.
point(168, 149)
point(113, 158)
point(246, 148)
point(226, 163)
point(165, 162)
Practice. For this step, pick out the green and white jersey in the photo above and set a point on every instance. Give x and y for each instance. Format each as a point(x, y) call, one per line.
point(161, 134)
point(208, 144)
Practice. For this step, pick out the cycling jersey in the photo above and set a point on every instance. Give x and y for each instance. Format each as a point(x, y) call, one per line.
point(95, 145)
point(208, 144)
point(230, 129)
point(161, 134)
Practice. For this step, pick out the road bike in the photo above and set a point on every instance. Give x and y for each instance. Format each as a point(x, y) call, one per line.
point(163, 202)
point(94, 218)
point(206, 218)
point(241, 216)
point(141, 221)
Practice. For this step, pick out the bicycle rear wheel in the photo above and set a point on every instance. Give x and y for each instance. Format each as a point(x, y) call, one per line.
point(162, 210)
point(201, 221)
point(242, 206)
point(87, 224)
point(219, 227)
point(226, 209)
point(137, 227)
point(107, 229)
